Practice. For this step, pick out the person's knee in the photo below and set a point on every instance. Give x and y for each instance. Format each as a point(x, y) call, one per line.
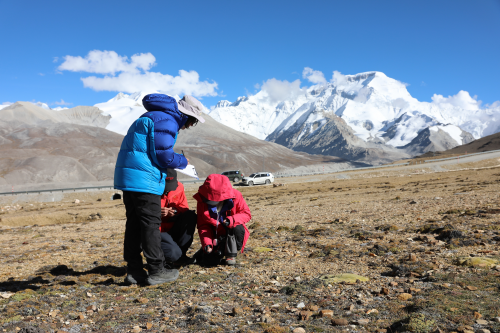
point(172, 253)
point(239, 234)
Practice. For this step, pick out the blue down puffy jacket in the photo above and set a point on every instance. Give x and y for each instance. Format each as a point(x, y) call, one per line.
point(147, 149)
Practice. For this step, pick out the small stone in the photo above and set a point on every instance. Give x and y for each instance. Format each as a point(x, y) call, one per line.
point(274, 291)
point(136, 329)
point(339, 322)
point(299, 330)
point(415, 290)
point(266, 319)
point(385, 291)
point(372, 311)
point(6, 294)
point(148, 326)
point(472, 288)
point(404, 296)
point(383, 330)
point(412, 257)
point(141, 300)
point(393, 283)
point(297, 279)
point(80, 317)
point(305, 315)
point(482, 322)
point(496, 319)
point(91, 308)
point(312, 307)
point(301, 305)
point(363, 321)
point(257, 302)
point(54, 313)
point(237, 311)
point(477, 315)
point(76, 201)
point(483, 330)
point(326, 313)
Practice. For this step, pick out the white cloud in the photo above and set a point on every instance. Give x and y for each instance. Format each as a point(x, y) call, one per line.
point(278, 91)
point(132, 75)
point(338, 78)
point(462, 100)
point(41, 74)
point(7, 103)
point(313, 76)
point(62, 102)
point(107, 62)
point(56, 59)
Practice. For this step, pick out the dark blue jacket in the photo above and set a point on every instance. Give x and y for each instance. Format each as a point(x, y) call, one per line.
point(147, 149)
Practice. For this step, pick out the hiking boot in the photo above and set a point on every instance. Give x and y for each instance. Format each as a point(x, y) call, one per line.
point(163, 275)
point(231, 261)
point(136, 276)
point(184, 260)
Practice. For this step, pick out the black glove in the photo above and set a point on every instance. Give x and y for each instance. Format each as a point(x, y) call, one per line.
point(226, 223)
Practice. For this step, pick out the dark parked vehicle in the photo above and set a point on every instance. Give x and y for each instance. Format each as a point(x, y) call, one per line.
point(234, 176)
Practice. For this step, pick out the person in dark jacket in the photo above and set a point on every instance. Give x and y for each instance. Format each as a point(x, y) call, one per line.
point(221, 211)
point(177, 222)
point(141, 167)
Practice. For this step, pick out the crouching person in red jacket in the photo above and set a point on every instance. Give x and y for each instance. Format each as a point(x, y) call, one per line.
point(177, 222)
point(222, 217)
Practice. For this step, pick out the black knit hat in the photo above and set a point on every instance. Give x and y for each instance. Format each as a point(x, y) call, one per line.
point(170, 181)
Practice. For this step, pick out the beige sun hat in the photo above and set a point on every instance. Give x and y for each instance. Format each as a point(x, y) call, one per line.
point(191, 106)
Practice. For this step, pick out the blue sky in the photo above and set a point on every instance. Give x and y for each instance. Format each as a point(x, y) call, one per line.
point(437, 47)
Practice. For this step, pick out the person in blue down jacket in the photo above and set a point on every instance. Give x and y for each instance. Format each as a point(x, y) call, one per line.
point(141, 167)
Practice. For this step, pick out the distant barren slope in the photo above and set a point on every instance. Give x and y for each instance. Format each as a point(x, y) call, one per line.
point(39, 146)
point(214, 147)
point(490, 142)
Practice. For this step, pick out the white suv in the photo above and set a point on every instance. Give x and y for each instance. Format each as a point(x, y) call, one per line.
point(258, 178)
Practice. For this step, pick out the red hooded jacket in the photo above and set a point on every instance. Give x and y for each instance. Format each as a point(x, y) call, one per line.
point(218, 188)
point(174, 199)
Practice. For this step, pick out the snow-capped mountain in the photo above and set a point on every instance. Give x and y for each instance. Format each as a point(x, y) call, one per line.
point(375, 106)
point(124, 109)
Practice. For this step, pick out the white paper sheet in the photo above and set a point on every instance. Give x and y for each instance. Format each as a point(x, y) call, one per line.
point(189, 171)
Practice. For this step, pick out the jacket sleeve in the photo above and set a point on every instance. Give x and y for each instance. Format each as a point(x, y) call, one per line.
point(205, 225)
point(182, 204)
point(165, 135)
point(241, 211)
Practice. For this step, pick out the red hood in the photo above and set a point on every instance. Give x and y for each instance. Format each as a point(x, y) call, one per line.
point(217, 188)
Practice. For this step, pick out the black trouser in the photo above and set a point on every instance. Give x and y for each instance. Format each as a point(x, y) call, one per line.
point(177, 240)
point(214, 257)
point(142, 230)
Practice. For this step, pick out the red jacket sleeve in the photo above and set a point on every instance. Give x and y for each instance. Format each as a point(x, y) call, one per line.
point(205, 224)
point(181, 202)
point(241, 211)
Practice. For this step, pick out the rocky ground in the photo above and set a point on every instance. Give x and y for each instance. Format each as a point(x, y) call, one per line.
point(385, 251)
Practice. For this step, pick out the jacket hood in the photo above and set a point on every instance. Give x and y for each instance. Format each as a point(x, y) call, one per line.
point(164, 103)
point(217, 188)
